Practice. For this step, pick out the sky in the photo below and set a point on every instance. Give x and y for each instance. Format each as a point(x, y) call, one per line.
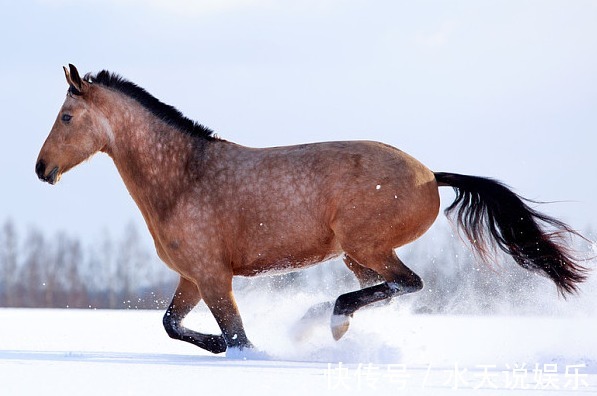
point(502, 89)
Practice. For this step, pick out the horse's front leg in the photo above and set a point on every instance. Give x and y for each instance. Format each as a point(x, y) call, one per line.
point(185, 298)
point(217, 293)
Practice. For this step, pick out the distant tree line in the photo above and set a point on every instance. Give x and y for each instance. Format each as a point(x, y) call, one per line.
point(59, 271)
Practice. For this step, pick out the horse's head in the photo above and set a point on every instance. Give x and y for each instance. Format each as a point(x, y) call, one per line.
point(80, 130)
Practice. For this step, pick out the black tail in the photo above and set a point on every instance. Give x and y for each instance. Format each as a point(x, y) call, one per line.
point(486, 208)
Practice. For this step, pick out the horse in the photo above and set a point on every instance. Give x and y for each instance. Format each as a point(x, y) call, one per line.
point(216, 209)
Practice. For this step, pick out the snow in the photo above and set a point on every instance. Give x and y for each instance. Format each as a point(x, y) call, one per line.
point(386, 349)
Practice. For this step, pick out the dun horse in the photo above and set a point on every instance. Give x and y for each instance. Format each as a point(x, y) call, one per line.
point(216, 209)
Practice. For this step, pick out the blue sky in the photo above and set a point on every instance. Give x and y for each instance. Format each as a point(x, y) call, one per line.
point(503, 89)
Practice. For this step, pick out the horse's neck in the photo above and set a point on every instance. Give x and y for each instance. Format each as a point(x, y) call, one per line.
point(153, 160)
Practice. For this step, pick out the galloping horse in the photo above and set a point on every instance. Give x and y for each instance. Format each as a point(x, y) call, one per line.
point(216, 209)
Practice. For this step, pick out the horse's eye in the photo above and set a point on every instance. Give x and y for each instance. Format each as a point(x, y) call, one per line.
point(66, 118)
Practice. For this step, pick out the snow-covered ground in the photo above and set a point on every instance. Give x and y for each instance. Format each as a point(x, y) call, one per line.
point(387, 349)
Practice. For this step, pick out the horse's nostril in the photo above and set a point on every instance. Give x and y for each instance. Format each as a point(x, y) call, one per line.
point(40, 169)
point(52, 177)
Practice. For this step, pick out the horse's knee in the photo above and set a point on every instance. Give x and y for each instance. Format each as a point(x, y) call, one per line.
point(171, 325)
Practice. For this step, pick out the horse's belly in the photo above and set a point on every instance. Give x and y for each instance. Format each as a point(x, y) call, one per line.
point(268, 265)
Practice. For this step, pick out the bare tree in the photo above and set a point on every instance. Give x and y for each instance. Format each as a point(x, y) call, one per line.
point(8, 264)
point(132, 266)
point(73, 264)
point(33, 269)
point(99, 273)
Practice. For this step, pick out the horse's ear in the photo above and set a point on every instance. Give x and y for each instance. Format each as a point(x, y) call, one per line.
point(77, 86)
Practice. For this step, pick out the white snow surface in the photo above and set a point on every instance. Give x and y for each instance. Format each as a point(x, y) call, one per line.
point(386, 349)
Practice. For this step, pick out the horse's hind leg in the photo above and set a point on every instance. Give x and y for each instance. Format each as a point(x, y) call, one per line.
point(366, 276)
point(399, 279)
point(185, 298)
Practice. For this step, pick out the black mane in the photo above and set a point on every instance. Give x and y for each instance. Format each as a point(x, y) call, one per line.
point(166, 113)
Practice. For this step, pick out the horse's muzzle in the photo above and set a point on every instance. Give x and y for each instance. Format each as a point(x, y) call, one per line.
point(40, 169)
